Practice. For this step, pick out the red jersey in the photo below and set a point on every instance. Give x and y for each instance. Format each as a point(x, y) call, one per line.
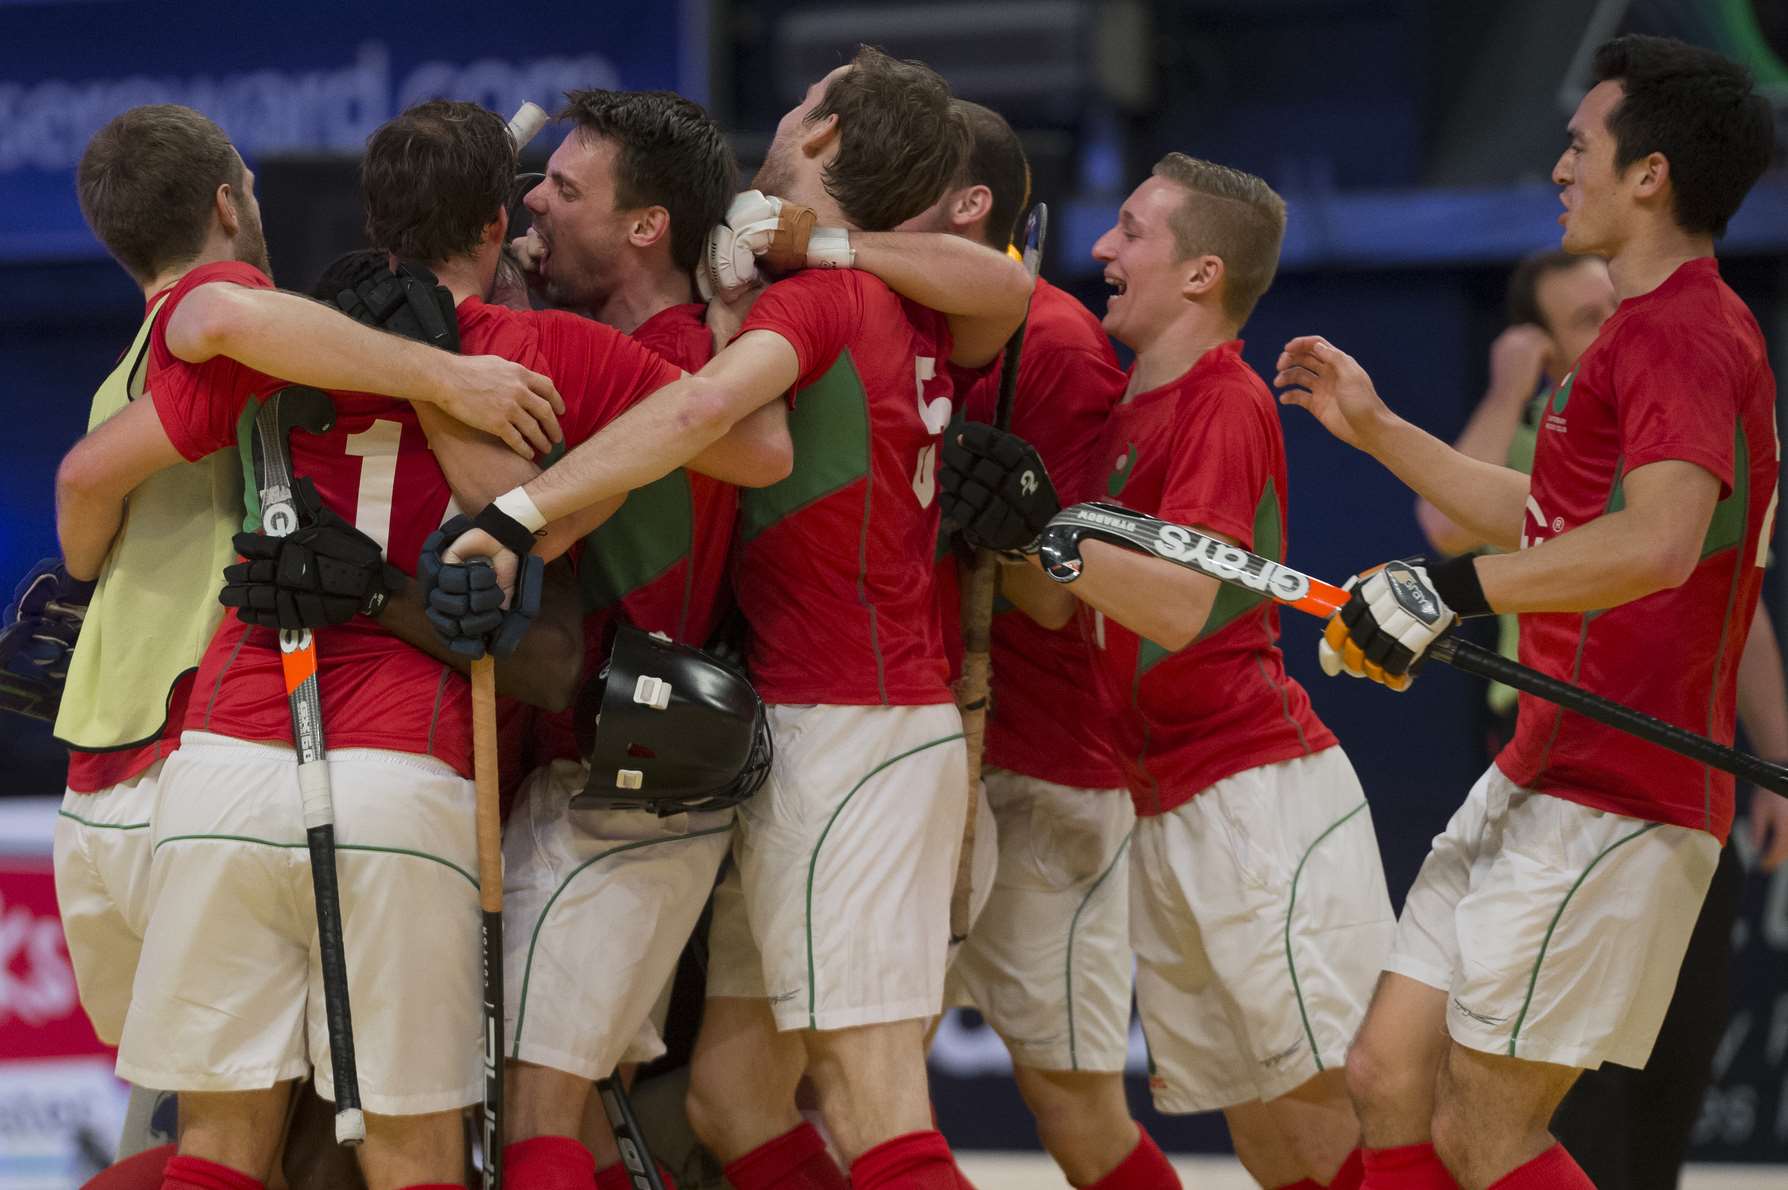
point(1205, 450)
point(660, 562)
point(91, 772)
point(833, 568)
point(375, 469)
point(1045, 720)
point(1678, 373)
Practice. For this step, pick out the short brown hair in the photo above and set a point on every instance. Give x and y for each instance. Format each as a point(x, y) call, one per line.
point(1240, 219)
point(1524, 284)
point(995, 160)
point(900, 141)
point(671, 155)
point(434, 178)
point(147, 181)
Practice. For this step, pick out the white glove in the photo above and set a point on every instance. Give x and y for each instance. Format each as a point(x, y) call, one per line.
point(729, 258)
point(1386, 626)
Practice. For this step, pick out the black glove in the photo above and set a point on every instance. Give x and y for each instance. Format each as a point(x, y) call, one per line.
point(995, 488)
point(325, 572)
point(39, 627)
point(465, 601)
point(407, 302)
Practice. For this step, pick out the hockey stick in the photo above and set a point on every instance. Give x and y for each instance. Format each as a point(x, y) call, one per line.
point(977, 610)
point(527, 122)
point(636, 1155)
point(490, 903)
point(1238, 567)
point(310, 409)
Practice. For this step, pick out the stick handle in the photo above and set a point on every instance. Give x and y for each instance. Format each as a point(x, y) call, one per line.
point(1487, 663)
point(486, 780)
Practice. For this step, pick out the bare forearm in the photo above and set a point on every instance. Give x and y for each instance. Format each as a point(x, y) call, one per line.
point(755, 453)
point(86, 523)
point(1603, 564)
point(1037, 595)
point(1484, 499)
point(1151, 597)
point(1763, 690)
point(306, 342)
point(946, 273)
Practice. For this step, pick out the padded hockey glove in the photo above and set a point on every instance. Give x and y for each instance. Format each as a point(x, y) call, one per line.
point(465, 601)
point(780, 233)
point(995, 488)
point(407, 302)
point(1395, 612)
point(325, 572)
point(40, 625)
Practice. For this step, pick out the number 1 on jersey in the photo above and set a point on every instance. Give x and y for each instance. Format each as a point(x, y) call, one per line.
point(377, 447)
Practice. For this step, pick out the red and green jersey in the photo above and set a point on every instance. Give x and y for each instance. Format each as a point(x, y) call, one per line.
point(1205, 450)
point(1045, 719)
point(833, 566)
point(1678, 373)
point(660, 562)
point(373, 467)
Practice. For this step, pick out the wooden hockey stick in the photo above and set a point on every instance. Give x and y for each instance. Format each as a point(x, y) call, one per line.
point(1231, 564)
point(311, 409)
point(977, 611)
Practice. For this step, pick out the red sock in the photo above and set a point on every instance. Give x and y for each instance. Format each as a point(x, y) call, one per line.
point(1352, 1172)
point(1409, 1167)
point(141, 1172)
point(1551, 1170)
point(196, 1173)
point(1146, 1168)
point(548, 1163)
point(616, 1177)
point(916, 1161)
point(797, 1160)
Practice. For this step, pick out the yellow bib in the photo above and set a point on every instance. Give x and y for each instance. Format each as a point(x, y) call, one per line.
point(155, 608)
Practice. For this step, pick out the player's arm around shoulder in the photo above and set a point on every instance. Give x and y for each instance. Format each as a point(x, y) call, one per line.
point(983, 292)
point(97, 475)
point(1152, 597)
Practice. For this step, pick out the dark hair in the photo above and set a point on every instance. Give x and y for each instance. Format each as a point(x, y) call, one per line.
point(1232, 215)
point(1701, 111)
point(1524, 284)
point(672, 155)
point(434, 178)
point(995, 160)
point(147, 183)
point(900, 142)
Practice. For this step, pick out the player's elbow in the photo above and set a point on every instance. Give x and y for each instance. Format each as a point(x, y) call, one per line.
point(209, 322)
point(1442, 534)
point(768, 458)
point(80, 476)
point(708, 409)
point(1668, 565)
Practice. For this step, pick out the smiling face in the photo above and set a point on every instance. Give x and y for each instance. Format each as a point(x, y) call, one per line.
point(1143, 265)
point(1597, 197)
point(578, 220)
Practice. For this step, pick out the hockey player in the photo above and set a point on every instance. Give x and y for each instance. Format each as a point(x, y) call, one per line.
point(1258, 910)
point(1544, 933)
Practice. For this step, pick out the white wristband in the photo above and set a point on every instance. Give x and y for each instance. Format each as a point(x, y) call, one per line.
point(521, 507)
point(830, 248)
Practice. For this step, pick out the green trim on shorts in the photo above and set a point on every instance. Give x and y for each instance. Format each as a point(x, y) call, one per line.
point(445, 863)
point(813, 859)
point(1073, 925)
point(1291, 905)
point(102, 826)
point(521, 1009)
point(1533, 978)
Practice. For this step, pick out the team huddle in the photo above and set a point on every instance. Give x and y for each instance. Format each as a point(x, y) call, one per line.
point(760, 425)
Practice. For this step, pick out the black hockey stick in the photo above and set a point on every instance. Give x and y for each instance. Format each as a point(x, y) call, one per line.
point(1231, 564)
point(977, 614)
point(636, 1155)
point(311, 410)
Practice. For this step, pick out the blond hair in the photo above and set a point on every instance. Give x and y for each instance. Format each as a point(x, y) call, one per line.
point(1237, 218)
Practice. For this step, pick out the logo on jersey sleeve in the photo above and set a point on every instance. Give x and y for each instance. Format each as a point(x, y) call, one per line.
point(1120, 471)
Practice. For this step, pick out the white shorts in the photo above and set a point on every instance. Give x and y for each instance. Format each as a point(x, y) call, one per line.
point(837, 908)
point(597, 905)
point(101, 851)
point(1557, 929)
point(1260, 921)
point(1048, 962)
point(229, 993)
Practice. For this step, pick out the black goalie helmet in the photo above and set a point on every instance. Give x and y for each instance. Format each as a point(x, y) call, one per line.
point(670, 729)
